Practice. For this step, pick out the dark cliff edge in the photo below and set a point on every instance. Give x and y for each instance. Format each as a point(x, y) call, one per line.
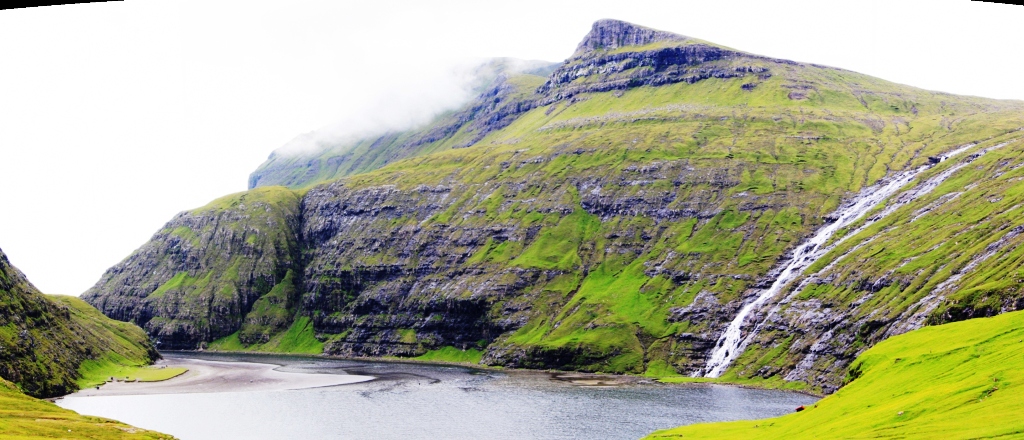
point(612, 216)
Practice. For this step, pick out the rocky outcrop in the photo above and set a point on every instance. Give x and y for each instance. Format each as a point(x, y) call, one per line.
point(616, 55)
point(610, 34)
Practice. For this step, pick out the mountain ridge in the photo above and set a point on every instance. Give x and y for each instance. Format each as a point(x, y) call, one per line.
point(616, 228)
point(502, 80)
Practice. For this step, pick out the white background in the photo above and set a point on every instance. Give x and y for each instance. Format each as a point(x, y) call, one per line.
point(116, 116)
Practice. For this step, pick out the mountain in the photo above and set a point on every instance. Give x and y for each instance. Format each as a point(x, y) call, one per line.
point(616, 216)
point(47, 343)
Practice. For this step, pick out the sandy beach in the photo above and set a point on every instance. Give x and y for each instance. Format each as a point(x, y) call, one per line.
point(205, 376)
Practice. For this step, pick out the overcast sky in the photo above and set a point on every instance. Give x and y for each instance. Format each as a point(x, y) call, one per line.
point(114, 117)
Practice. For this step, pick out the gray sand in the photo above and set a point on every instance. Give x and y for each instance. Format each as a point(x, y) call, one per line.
point(223, 377)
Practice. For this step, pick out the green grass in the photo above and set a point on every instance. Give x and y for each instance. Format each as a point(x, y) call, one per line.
point(271, 313)
point(299, 338)
point(123, 358)
point(556, 247)
point(24, 417)
point(959, 380)
point(271, 195)
point(69, 327)
point(452, 354)
point(72, 342)
point(407, 336)
point(228, 343)
point(97, 372)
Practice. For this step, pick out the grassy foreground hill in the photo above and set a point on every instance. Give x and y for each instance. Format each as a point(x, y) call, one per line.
point(52, 345)
point(612, 216)
point(24, 417)
point(959, 380)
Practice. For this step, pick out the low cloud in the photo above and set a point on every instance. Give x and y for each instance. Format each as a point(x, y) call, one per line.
point(417, 95)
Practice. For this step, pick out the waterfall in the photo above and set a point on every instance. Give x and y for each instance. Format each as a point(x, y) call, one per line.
point(731, 343)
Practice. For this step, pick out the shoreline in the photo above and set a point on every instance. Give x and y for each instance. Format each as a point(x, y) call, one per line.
point(569, 376)
point(211, 376)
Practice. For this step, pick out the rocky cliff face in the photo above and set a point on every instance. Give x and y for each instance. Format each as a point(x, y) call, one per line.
point(609, 34)
point(616, 55)
point(43, 344)
point(208, 269)
point(612, 217)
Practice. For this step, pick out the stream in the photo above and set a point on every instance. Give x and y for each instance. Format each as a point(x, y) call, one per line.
point(731, 343)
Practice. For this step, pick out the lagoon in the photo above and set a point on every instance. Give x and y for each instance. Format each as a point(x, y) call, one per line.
point(397, 400)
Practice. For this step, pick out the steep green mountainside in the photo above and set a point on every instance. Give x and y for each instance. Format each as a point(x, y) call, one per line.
point(960, 380)
point(615, 221)
point(47, 344)
point(208, 268)
point(503, 84)
point(952, 254)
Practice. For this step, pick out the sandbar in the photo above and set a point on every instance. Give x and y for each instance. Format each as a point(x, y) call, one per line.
point(205, 376)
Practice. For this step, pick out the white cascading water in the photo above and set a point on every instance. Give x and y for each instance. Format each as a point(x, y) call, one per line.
point(729, 344)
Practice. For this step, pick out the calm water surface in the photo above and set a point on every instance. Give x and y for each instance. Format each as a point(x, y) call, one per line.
point(417, 401)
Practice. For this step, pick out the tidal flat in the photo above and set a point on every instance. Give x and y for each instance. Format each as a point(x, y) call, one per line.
point(303, 397)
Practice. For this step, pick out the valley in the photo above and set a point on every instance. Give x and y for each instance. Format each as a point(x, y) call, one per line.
point(657, 231)
point(614, 217)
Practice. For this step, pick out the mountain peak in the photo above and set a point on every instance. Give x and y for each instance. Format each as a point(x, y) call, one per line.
point(612, 34)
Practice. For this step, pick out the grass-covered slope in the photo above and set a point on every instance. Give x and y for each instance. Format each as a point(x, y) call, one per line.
point(299, 338)
point(614, 220)
point(48, 345)
point(52, 345)
point(952, 254)
point(23, 417)
point(123, 356)
point(952, 381)
point(628, 225)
